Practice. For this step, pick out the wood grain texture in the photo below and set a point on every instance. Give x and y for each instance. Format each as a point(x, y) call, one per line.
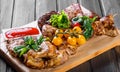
point(62, 4)
point(2, 65)
point(117, 50)
point(43, 6)
point(105, 62)
point(6, 7)
point(23, 12)
point(92, 5)
point(85, 67)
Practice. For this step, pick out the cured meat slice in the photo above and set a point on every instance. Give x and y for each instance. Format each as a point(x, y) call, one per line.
point(78, 10)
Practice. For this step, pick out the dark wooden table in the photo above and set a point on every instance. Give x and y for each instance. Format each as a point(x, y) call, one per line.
point(20, 12)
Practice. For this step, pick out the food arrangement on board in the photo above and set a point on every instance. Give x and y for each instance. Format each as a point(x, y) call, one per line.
point(61, 34)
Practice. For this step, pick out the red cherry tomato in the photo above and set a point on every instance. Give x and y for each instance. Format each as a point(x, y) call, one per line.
point(76, 24)
point(21, 32)
point(91, 16)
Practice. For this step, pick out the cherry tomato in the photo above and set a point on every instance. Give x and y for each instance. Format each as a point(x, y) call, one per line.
point(77, 29)
point(21, 32)
point(76, 24)
point(91, 16)
point(71, 40)
point(81, 39)
point(59, 32)
point(57, 41)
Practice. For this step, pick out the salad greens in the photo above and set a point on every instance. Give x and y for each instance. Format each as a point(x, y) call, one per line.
point(29, 44)
point(60, 20)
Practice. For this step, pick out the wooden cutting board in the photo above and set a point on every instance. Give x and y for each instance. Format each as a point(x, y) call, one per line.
point(92, 48)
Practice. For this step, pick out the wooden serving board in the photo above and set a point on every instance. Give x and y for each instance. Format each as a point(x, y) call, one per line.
point(92, 48)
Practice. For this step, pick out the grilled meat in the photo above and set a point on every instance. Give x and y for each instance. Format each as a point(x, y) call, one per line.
point(48, 30)
point(11, 43)
point(49, 56)
point(105, 26)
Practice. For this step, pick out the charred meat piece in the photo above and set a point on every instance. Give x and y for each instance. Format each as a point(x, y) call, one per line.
point(44, 19)
point(48, 30)
point(105, 26)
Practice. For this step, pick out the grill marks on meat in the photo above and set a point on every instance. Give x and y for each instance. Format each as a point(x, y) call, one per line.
point(105, 26)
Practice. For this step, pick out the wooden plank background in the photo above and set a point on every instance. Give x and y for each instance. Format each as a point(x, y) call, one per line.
point(19, 12)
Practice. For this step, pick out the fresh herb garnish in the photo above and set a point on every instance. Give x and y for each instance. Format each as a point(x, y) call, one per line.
point(29, 44)
point(60, 20)
point(20, 50)
point(87, 26)
point(86, 23)
point(40, 39)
